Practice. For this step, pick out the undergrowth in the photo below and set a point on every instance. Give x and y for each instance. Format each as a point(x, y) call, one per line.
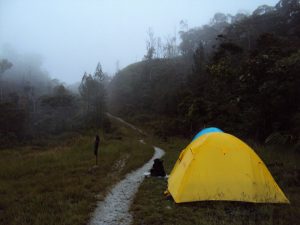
point(60, 184)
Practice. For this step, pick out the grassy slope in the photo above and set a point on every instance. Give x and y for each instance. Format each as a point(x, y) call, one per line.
point(152, 207)
point(59, 185)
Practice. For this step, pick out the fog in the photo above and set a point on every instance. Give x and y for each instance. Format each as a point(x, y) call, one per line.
point(71, 36)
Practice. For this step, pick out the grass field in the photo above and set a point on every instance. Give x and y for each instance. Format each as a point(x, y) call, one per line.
point(152, 207)
point(59, 184)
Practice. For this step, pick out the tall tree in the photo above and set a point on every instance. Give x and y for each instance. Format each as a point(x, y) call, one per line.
point(93, 93)
point(4, 65)
point(150, 45)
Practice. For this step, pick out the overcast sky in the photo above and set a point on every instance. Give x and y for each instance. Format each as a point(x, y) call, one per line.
point(73, 35)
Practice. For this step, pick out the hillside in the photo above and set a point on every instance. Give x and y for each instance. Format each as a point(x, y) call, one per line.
point(240, 73)
point(149, 88)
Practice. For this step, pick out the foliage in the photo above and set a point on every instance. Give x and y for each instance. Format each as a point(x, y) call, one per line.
point(93, 93)
point(36, 107)
point(239, 73)
point(57, 112)
point(5, 65)
point(156, 49)
point(148, 87)
point(12, 123)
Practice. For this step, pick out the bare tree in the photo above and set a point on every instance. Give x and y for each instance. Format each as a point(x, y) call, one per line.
point(170, 48)
point(150, 45)
point(159, 48)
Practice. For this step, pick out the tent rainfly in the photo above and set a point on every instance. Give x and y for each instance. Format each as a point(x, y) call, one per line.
point(206, 131)
point(219, 166)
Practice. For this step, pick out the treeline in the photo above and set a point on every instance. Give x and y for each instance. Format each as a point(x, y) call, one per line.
point(240, 73)
point(34, 107)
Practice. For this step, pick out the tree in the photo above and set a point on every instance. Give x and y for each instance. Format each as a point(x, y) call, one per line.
point(219, 18)
point(150, 53)
point(263, 9)
point(288, 6)
point(150, 45)
point(159, 48)
point(189, 42)
point(99, 75)
point(12, 122)
point(4, 65)
point(170, 48)
point(57, 111)
point(93, 93)
point(245, 77)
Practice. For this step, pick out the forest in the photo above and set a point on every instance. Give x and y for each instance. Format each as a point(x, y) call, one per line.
point(35, 107)
point(239, 73)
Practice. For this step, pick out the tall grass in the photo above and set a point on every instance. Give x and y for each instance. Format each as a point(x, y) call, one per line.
point(60, 184)
point(150, 206)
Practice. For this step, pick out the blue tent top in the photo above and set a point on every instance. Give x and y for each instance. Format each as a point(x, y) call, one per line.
point(207, 130)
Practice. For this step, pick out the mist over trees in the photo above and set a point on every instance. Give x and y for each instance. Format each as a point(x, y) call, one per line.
point(239, 73)
point(93, 92)
point(22, 81)
point(33, 106)
point(157, 48)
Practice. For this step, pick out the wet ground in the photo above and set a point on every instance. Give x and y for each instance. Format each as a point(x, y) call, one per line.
point(114, 210)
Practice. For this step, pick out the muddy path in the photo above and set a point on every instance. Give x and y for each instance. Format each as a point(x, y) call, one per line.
point(114, 210)
point(126, 123)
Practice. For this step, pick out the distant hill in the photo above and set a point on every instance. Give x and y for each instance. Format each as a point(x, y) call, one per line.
point(151, 86)
point(240, 73)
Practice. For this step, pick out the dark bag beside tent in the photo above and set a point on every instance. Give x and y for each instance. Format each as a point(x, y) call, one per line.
point(158, 169)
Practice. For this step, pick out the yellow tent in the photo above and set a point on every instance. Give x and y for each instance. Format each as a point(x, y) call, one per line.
point(219, 166)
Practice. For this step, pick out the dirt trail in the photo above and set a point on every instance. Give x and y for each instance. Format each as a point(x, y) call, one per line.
point(114, 210)
point(126, 123)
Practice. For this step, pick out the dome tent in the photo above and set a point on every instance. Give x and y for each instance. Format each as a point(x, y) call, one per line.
point(219, 166)
point(207, 130)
